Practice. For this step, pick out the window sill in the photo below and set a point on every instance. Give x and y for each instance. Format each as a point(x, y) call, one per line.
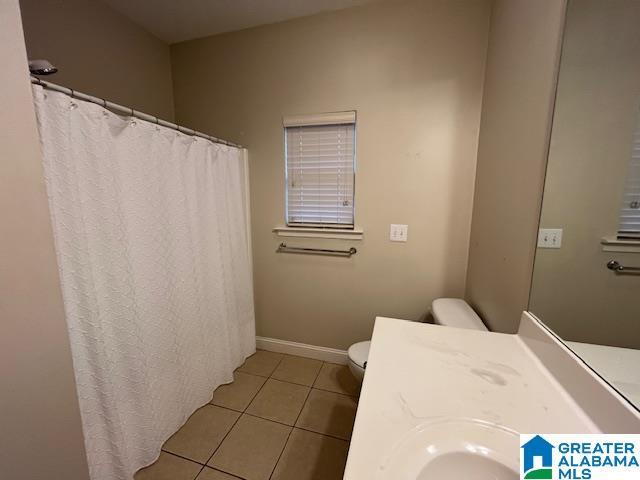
point(308, 232)
point(612, 244)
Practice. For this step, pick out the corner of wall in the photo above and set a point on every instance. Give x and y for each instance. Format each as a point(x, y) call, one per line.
point(39, 402)
point(521, 75)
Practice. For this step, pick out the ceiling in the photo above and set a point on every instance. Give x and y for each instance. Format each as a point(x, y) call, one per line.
point(179, 20)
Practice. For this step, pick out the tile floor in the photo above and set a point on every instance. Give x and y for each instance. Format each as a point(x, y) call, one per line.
point(283, 418)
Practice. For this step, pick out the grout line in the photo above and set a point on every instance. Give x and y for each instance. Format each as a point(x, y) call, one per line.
point(251, 374)
point(294, 423)
point(220, 470)
point(260, 389)
point(201, 469)
point(248, 373)
point(290, 382)
point(250, 400)
point(182, 457)
point(225, 436)
point(205, 465)
point(229, 408)
point(337, 364)
point(239, 416)
point(309, 393)
point(302, 384)
point(328, 435)
point(294, 383)
point(324, 434)
point(305, 403)
point(275, 465)
point(356, 396)
point(337, 393)
point(305, 429)
point(318, 375)
point(279, 423)
point(244, 412)
point(254, 396)
point(274, 370)
point(268, 420)
point(241, 412)
point(332, 391)
point(299, 384)
point(299, 413)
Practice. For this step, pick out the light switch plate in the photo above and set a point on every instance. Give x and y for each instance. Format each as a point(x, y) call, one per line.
point(550, 238)
point(398, 233)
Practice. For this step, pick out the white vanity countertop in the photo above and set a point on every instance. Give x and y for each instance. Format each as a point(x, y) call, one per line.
point(417, 373)
point(619, 366)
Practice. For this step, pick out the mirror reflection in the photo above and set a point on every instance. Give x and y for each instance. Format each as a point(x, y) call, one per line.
point(586, 281)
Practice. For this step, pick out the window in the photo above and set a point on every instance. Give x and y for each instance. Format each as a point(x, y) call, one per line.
point(629, 224)
point(320, 170)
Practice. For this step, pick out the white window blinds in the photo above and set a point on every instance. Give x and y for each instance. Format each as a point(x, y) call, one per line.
point(629, 225)
point(320, 171)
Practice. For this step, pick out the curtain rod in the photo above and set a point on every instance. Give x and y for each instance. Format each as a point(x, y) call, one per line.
point(129, 111)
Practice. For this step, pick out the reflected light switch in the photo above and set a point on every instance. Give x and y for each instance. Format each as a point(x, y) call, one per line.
point(550, 238)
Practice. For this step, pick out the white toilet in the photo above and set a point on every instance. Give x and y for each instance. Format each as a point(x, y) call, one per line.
point(449, 312)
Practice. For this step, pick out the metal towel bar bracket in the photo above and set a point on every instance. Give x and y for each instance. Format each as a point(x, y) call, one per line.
point(282, 248)
point(616, 267)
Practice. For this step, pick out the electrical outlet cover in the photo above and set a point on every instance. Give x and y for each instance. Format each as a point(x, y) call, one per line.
point(398, 233)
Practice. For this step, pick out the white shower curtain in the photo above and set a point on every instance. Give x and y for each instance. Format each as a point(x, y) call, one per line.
point(151, 238)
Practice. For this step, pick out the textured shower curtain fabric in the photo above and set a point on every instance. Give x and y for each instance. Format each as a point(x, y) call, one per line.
point(151, 238)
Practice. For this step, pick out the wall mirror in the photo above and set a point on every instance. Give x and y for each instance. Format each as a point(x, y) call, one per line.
point(586, 280)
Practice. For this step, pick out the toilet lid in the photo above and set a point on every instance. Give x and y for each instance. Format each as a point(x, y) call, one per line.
point(359, 353)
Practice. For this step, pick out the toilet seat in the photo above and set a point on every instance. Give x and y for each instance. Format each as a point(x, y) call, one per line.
point(359, 352)
point(449, 312)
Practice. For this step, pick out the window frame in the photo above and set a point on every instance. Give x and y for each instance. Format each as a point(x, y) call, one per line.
point(324, 119)
point(630, 177)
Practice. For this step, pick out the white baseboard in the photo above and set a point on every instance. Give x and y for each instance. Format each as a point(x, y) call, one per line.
point(325, 354)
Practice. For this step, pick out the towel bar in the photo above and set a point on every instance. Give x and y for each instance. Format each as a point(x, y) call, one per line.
point(616, 267)
point(282, 248)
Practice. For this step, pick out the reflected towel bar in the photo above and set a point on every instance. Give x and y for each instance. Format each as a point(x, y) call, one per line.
point(282, 248)
point(616, 267)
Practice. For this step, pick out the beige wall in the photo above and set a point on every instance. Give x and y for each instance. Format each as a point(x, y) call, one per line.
point(100, 52)
point(572, 290)
point(40, 436)
point(516, 111)
point(414, 72)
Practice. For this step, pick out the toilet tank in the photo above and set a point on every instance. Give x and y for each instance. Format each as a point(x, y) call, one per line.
point(455, 312)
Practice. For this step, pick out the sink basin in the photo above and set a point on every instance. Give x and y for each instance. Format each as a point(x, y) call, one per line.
point(454, 448)
point(465, 465)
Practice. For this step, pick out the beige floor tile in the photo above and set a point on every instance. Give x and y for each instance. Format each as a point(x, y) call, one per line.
point(311, 456)
point(297, 370)
point(238, 395)
point(203, 432)
point(251, 449)
point(279, 401)
point(211, 474)
point(261, 363)
point(337, 378)
point(329, 413)
point(169, 467)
